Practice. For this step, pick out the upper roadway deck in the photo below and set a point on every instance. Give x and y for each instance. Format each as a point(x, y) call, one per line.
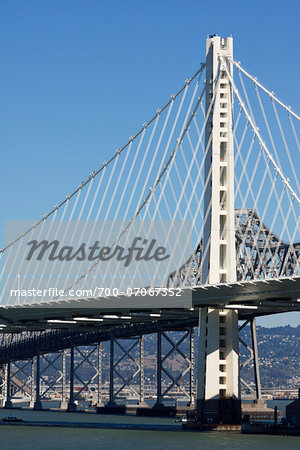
point(250, 298)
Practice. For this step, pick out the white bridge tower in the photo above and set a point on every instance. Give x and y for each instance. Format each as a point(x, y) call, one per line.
point(218, 394)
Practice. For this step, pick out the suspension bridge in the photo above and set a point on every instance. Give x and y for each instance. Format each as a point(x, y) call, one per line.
point(211, 180)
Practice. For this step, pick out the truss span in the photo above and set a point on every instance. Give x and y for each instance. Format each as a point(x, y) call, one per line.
point(260, 254)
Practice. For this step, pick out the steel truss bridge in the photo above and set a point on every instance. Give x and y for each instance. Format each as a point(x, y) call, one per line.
point(219, 161)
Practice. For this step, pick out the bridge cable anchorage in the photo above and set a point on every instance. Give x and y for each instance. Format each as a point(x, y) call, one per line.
point(256, 131)
point(105, 164)
point(151, 191)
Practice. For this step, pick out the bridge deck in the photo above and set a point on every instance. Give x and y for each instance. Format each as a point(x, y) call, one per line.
point(250, 298)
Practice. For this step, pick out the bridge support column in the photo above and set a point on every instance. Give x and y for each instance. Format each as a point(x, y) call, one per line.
point(201, 369)
point(99, 377)
point(218, 393)
point(111, 401)
point(32, 383)
point(259, 404)
point(2, 385)
point(220, 401)
point(159, 371)
point(255, 359)
point(142, 376)
point(64, 403)
point(192, 368)
point(71, 403)
point(175, 385)
point(8, 403)
point(120, 349)
point(37, 399)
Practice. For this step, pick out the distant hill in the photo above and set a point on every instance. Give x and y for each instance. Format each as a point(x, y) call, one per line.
point(279, 356)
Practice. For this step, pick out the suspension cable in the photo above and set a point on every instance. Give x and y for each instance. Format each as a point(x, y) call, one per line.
point(105, 163)
point(151, 191)
point(271, 94)
point(256, 131)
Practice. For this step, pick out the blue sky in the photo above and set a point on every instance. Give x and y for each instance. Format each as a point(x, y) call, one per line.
point(79, 77)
